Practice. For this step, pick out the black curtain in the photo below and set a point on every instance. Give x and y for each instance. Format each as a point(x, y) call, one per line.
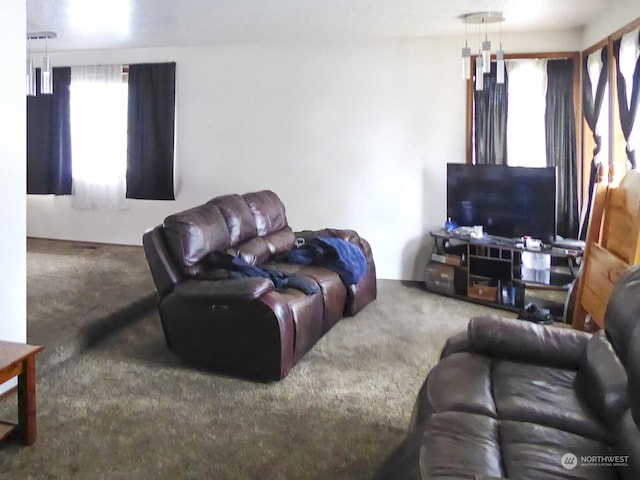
point(591, 108)
point(490, 119)
point(627, 112)
point(560, 126)
point(150, 133)
point(49, 137)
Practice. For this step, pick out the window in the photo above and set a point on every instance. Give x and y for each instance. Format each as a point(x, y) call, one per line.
point(597, 110)
point(98, 113)
point(525, 108)
point(526, 140)
point(626, 139)
point(123, 135)
point(530, 120)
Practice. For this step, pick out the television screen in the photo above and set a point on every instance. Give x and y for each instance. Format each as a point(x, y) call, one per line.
point(507, 201)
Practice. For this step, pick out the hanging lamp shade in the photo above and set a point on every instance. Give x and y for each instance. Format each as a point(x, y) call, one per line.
point(46, 77)
point(466, 63)
point(500, 66)
point(31, 72)
point(479, 74)
point(46, 71)
point(31, 78)
point(486, 56)
point(483, 62)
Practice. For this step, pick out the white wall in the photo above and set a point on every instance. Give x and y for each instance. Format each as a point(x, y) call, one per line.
point(619, 14)
point(13, 315)
point(353, 134)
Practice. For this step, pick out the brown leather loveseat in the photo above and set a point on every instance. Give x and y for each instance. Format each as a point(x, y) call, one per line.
point(512, 399)
point(246, 326)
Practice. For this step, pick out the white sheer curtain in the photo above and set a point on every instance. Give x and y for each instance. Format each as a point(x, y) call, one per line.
point(629, 52)
point(594, 67)
point(98, 137)
point(526, 137)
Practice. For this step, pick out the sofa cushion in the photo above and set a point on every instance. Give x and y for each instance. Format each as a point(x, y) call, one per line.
point(627, 442)
point(526, 341)
point(633, 371)
point(259, 250)
point(223, 291)
point(622, 312)
point(280, 241)
point(602, 380)
point(463, 445)
point(239, 219)
point(503, 389)
point(460, 445)
point(536, 451)
point(192, 234)
point(543, 395)
point(254, 251)
point(268, 211)
point(460, 382)
point(334, 293)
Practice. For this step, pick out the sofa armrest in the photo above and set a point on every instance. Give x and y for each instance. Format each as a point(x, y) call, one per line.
point(525, 341)
point(164, 272)
point(456, 343)
point(221, 291)
point(345, 234)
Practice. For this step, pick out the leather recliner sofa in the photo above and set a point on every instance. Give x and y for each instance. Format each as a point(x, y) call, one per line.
point(512, 399)
point(245, 326)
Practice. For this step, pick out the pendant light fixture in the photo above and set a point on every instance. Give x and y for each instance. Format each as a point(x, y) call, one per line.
point(479, 73)
point(46, 72)
point(480, 62)
point(486, 51)
point(500, 61)
point(483, 60)
point(500, 66)
point(31, 72)
point(466, 57)
point(46, 75)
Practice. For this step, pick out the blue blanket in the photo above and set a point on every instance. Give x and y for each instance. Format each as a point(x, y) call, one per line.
point(341, 256)
point(236, 267)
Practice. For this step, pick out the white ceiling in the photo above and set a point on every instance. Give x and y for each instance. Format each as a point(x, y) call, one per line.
point(96, 24)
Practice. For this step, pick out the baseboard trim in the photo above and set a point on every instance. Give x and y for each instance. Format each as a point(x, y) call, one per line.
point(412, 283)
point(83, 242)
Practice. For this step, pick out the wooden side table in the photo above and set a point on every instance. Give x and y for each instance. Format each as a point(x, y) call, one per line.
point(19, 360)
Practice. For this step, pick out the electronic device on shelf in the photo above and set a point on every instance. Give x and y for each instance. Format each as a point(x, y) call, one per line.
point(509, 202)
point(568, 244)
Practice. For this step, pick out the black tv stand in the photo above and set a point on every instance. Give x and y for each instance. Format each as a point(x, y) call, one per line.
point(490, 270)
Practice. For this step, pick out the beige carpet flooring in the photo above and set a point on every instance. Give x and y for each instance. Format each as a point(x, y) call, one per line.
point(78, 293)
point(126, 408)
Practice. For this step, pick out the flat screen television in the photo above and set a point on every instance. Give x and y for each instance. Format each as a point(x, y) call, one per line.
point(507, 201)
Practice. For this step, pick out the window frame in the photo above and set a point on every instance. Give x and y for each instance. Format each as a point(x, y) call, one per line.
point(588, 143)
point(577, 103)
point(617, 143)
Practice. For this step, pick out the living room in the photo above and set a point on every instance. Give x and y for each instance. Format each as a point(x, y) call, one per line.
point(352, 128)
point(349, 118)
